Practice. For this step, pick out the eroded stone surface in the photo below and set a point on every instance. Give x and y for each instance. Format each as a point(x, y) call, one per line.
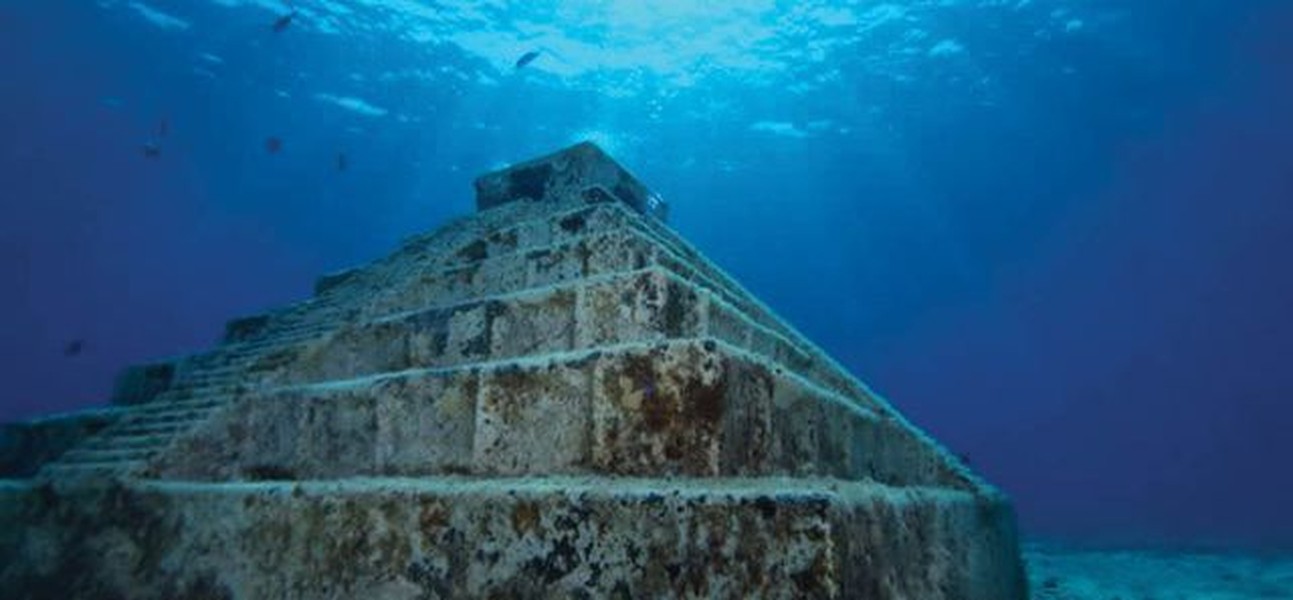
point(694, 408)
point(516, 538)
point(580, 170)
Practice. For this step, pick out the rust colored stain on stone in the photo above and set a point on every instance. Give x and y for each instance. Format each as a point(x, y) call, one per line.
point(525, 517)
point(432, 516)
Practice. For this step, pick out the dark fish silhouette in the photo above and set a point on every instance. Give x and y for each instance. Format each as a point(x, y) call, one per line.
point(164, 128)
point(282, 23)
point(273, 145)
point(343, 163)
point(74, 348)
point(527, 58)
point(151, 149)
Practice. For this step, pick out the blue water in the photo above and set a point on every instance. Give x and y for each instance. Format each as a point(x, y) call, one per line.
point(1055, 233)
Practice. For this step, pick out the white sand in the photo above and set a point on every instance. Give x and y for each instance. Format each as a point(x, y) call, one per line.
point(1058, 573)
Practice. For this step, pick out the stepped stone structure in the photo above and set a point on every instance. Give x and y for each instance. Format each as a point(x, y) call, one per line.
point(556, 397)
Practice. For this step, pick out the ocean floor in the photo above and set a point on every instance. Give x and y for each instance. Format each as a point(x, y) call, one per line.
point(1057, 572)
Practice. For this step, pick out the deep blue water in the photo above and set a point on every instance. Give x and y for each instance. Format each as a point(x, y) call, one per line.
point(1056, 234)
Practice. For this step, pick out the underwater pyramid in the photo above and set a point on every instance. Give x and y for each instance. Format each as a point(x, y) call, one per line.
point(556, 397)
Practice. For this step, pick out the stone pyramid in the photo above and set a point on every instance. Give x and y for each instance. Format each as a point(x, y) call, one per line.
point(556, 397)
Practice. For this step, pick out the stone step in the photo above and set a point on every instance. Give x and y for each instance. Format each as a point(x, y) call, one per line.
point(715, 277)
point(191, 395)
point(497, 238)
point(539, 321)
point(224, 384)
point(686, 407)
point(579, 257)
point(210, 401)
point(159, 424)
point(587, 254)
point(543, 231)
point(539, 232)
point(619, 307)
point(151, 428)
point(609, 229)
point(233, 358)
point(213, 376)
point(141, 433)
point(301, 318)
point(229, 370)
point(73, 470)
point(177, 416)
point(80, 455)
point(126, 441)
point(516, 229)
point(559, 537)
point(224, 380)
point(163, 419)
point(276, 339)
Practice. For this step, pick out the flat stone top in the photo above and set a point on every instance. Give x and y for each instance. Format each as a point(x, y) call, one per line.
point(582, 170)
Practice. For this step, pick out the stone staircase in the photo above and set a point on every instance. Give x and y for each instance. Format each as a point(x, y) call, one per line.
point(207, 383)
point(138, 436)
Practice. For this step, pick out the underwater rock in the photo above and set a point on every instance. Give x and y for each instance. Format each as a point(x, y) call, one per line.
point(555, 397)
point(26, 446)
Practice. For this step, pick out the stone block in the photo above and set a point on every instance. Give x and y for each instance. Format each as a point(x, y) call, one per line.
point(468, 332)
point(574, 171)
point(427, 424)
point(748, 429)
point(659, 411)
point(644, 306)
point(724, 323)
point(319, 433)
point(533, 419)
point(534, 324)
point(355, 349)
point(563, 537)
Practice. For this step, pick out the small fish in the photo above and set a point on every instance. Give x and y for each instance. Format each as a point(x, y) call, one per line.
point(527, 58)
point(74, 348)
point(282, 23)
point(343, 163)
point(152, 149)
point(164, 127)
point(273, 144)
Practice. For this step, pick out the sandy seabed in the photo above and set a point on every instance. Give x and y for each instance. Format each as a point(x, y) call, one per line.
point(1057, 572)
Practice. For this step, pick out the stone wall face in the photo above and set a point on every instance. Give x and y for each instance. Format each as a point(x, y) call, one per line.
point(693, 408)
point(516, 538)
point(557, 397)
